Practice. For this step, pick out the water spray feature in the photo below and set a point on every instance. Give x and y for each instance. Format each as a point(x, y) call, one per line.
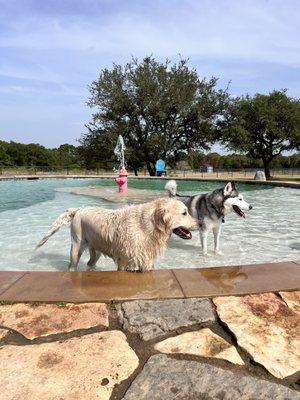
point(119, 151)
point(122, 178)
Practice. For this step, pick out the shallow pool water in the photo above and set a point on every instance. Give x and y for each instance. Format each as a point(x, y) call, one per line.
point(269, 233)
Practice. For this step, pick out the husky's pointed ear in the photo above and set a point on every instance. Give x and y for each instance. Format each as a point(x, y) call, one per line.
point(228, 188)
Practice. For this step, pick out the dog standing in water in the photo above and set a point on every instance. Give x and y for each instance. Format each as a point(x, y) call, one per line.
point(132, 236)
point(210, 209)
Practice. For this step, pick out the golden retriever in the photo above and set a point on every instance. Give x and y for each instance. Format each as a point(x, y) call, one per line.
point(132, 236)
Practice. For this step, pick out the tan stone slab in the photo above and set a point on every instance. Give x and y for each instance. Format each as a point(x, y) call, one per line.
point(256, 278)
point(8, 278)
point(203, 343)
point(87, 367)
point(3, 333)
point(94, 286)
point(46, 319)
point(292, 299)
point(266, 328)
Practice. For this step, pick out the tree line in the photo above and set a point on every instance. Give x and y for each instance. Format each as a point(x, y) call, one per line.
point(168, 111)
point(14, 154)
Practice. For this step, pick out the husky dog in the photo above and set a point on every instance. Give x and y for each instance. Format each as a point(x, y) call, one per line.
point(210, 209)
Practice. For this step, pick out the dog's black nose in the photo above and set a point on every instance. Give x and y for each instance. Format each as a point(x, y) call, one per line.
point(250, 207)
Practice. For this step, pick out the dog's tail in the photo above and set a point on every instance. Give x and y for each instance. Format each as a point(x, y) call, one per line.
point(171, 188)
point(63, 219)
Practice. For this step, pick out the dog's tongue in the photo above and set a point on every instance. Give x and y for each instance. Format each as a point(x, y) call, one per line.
point(183, 233)
point(238, 211)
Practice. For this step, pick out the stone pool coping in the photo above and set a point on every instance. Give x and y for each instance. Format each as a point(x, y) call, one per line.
point(290, 184)
point(107, 286)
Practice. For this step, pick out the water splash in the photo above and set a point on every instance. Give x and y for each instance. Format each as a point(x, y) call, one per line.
point(119, 151)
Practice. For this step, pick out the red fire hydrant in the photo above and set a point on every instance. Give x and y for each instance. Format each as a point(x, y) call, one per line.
point(122, 180)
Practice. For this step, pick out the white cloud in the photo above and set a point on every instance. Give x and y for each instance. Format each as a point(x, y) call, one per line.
point(248, 30)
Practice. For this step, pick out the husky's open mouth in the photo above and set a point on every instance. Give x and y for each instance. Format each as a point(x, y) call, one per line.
point(183, 233)
point(238, 211)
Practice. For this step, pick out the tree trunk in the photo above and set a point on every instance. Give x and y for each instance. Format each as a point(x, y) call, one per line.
point(150, 169)
point(267, 169)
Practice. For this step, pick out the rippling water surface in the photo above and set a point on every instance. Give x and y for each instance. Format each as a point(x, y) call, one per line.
point(270, 232)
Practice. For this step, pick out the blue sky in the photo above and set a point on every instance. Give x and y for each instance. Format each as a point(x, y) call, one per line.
point(50, 51)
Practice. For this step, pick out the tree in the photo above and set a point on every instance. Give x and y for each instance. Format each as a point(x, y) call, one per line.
point(5, 159)
point(66, 155)
point(160, 109)
point(263, 126)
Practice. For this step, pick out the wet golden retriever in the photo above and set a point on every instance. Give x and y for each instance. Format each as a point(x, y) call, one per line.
point(132, 236)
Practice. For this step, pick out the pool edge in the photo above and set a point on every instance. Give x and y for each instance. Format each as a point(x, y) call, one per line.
point(107, 286)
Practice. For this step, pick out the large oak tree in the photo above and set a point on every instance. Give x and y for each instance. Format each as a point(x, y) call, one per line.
point(263, 126)
point(160, 109)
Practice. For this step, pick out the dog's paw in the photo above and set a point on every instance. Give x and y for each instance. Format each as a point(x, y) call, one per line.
point(218, 252)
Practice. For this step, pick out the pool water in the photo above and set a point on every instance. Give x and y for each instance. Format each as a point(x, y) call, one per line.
point(269, 233)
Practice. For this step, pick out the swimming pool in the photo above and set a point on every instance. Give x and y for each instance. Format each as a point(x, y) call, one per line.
point(269, 233)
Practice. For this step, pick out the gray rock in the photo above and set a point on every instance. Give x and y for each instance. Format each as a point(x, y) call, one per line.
point(166, 378)
point(153, 318)
point(259, 176)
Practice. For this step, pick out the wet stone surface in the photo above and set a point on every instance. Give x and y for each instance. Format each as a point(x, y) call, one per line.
point(169, 379)
point(153, 318)
point(80, 368)
point(34, 321)
point(266, 328)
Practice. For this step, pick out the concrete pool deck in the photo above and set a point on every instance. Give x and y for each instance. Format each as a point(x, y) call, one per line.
point(106, 286)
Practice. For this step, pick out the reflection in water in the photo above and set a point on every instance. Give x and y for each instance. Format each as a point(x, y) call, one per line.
point(132, 196)
point(123, 284)
point(224, 280)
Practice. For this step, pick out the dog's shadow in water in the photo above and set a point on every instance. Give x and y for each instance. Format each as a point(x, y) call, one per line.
point(53, 260)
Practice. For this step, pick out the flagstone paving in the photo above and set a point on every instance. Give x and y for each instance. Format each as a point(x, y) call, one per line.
point(168, 379)
point(292, 299)
point(87, 367)
point(266, 328)
point(95, 351)
point(150, 318)
point(34, 321)
point(200, 343)
point(3, 333)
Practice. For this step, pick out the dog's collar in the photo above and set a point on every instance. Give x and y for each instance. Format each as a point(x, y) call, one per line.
point(219, 214)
